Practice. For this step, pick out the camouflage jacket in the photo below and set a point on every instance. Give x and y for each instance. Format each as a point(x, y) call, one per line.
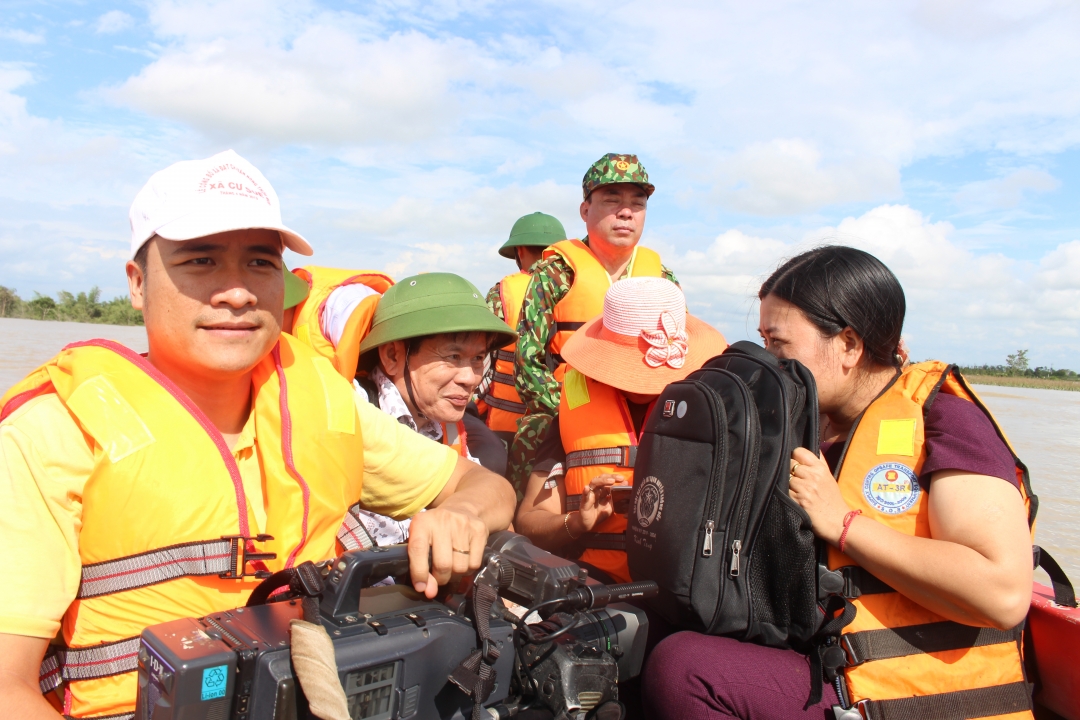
point(550, 283)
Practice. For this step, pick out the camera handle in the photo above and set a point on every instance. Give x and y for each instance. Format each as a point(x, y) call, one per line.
point(303, 581)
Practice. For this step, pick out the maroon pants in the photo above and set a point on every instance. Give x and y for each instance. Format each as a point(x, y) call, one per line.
point(690, 676)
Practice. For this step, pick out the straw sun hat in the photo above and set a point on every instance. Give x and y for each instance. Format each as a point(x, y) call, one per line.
point(644, 340)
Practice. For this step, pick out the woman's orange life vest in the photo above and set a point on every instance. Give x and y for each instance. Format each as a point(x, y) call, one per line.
point(903, 656)
point(598, 436)
point(504, 403)
point(307, 325)
point(585, 300)
point(166, 527)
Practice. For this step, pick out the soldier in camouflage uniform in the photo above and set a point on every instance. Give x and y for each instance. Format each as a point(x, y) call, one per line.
point(615, 190)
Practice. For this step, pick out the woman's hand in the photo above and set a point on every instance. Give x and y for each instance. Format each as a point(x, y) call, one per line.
point(814, 488)
point(596, 503)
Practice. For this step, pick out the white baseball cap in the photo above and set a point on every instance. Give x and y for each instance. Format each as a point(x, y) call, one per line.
point(195, 198)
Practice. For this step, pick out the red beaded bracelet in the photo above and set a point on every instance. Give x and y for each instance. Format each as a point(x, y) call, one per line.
point(847, 525)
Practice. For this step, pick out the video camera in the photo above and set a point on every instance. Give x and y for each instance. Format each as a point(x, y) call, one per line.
point(400, 655)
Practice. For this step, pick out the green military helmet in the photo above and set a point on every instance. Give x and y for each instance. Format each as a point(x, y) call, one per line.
point(533, 230)
point(616, 168)
point(430, 304)
point(296, 290)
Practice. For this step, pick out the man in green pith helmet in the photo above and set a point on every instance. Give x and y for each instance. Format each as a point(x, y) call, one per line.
point(425, 358)
point(529, 237)
point(567, 289)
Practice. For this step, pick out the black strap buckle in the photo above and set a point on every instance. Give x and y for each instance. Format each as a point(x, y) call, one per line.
point(852, 655)
point(833, 659)
point(629, 456)
point(240, 557)
point(830, 582)
point(855, 712)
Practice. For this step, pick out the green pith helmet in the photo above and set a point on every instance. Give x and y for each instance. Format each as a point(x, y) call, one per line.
point(430, 304)
point(616, 168)
point(296, 290)
point(535, 230)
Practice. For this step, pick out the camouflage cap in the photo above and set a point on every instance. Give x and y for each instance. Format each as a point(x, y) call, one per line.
point(616, 168)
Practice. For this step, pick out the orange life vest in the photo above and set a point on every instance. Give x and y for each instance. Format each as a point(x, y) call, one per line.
point(585, 300)
point(503, 401)
point(905, 657)
point(598, 436)
point(167, 531)
point(307, 325)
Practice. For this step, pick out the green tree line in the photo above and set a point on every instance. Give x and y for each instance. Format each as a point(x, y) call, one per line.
point(87, 307)
point(1017, 365)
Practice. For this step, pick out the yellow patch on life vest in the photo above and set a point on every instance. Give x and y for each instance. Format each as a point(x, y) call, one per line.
point(303, 334)
point(896, 437)
point(340, 410)
point(109, 418)
point(575, 388)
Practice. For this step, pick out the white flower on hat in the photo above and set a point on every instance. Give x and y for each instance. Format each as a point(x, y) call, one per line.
point(669, 344)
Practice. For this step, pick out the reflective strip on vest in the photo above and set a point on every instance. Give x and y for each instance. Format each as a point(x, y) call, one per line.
point(214, 557)
point(503, 378)
point(90, 663)
point(507, 405)
point(958, 705)
point(352, 534)
point(622, 456)
point(505, 356)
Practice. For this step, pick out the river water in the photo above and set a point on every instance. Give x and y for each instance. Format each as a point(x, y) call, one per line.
point(1044, 425)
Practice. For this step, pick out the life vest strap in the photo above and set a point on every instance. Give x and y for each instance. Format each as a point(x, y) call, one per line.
point(117, 716)
point(624, 456)
point(869, 645)
point(507, 405)
point(353, 533)
point(504, 378)
point(505, 356)
point(89, 663)
point(858, 582)
point(226, 557)
point(959, 705)
point(603, 541)
point(565, 326)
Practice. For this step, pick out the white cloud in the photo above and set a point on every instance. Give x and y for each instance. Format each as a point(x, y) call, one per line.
point(113, 21)
point(1006, 192)
point(328, 87)
point(962, 306)
point(783, 177)
point(22, 36)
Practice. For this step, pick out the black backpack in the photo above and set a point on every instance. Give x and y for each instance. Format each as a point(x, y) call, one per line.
point(711, 520)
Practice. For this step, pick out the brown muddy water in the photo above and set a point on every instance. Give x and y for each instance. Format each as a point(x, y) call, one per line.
point(1044, 425)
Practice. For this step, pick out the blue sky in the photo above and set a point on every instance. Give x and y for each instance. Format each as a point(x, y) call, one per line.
point(942, 135)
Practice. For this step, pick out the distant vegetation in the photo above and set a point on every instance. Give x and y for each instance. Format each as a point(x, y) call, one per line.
point(1016, 372)
point(85, 307)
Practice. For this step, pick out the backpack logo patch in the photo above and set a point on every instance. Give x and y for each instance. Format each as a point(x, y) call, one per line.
point(649, 505)
point(891, 488)
point(669, 408)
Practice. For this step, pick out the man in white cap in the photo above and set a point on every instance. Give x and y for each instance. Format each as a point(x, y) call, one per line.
point(136, 490)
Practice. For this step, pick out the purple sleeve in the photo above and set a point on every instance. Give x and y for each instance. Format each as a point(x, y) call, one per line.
point(959, 436)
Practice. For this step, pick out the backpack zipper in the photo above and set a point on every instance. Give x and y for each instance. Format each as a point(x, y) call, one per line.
point(710, 525)
point(706, 549)
point(751, 451)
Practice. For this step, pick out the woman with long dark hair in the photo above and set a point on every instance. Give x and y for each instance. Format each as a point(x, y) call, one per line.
point(923, 507)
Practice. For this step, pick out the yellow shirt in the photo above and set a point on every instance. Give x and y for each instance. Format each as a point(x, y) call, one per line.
point(45, 459)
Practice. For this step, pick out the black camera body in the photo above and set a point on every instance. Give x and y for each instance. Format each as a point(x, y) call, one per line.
point(395, 650)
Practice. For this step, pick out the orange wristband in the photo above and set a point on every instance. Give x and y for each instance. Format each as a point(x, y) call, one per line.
point(847, 525)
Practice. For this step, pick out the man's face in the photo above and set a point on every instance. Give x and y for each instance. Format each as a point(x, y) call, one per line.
point(615, 214)
point(445, 372)
point(212, 305)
